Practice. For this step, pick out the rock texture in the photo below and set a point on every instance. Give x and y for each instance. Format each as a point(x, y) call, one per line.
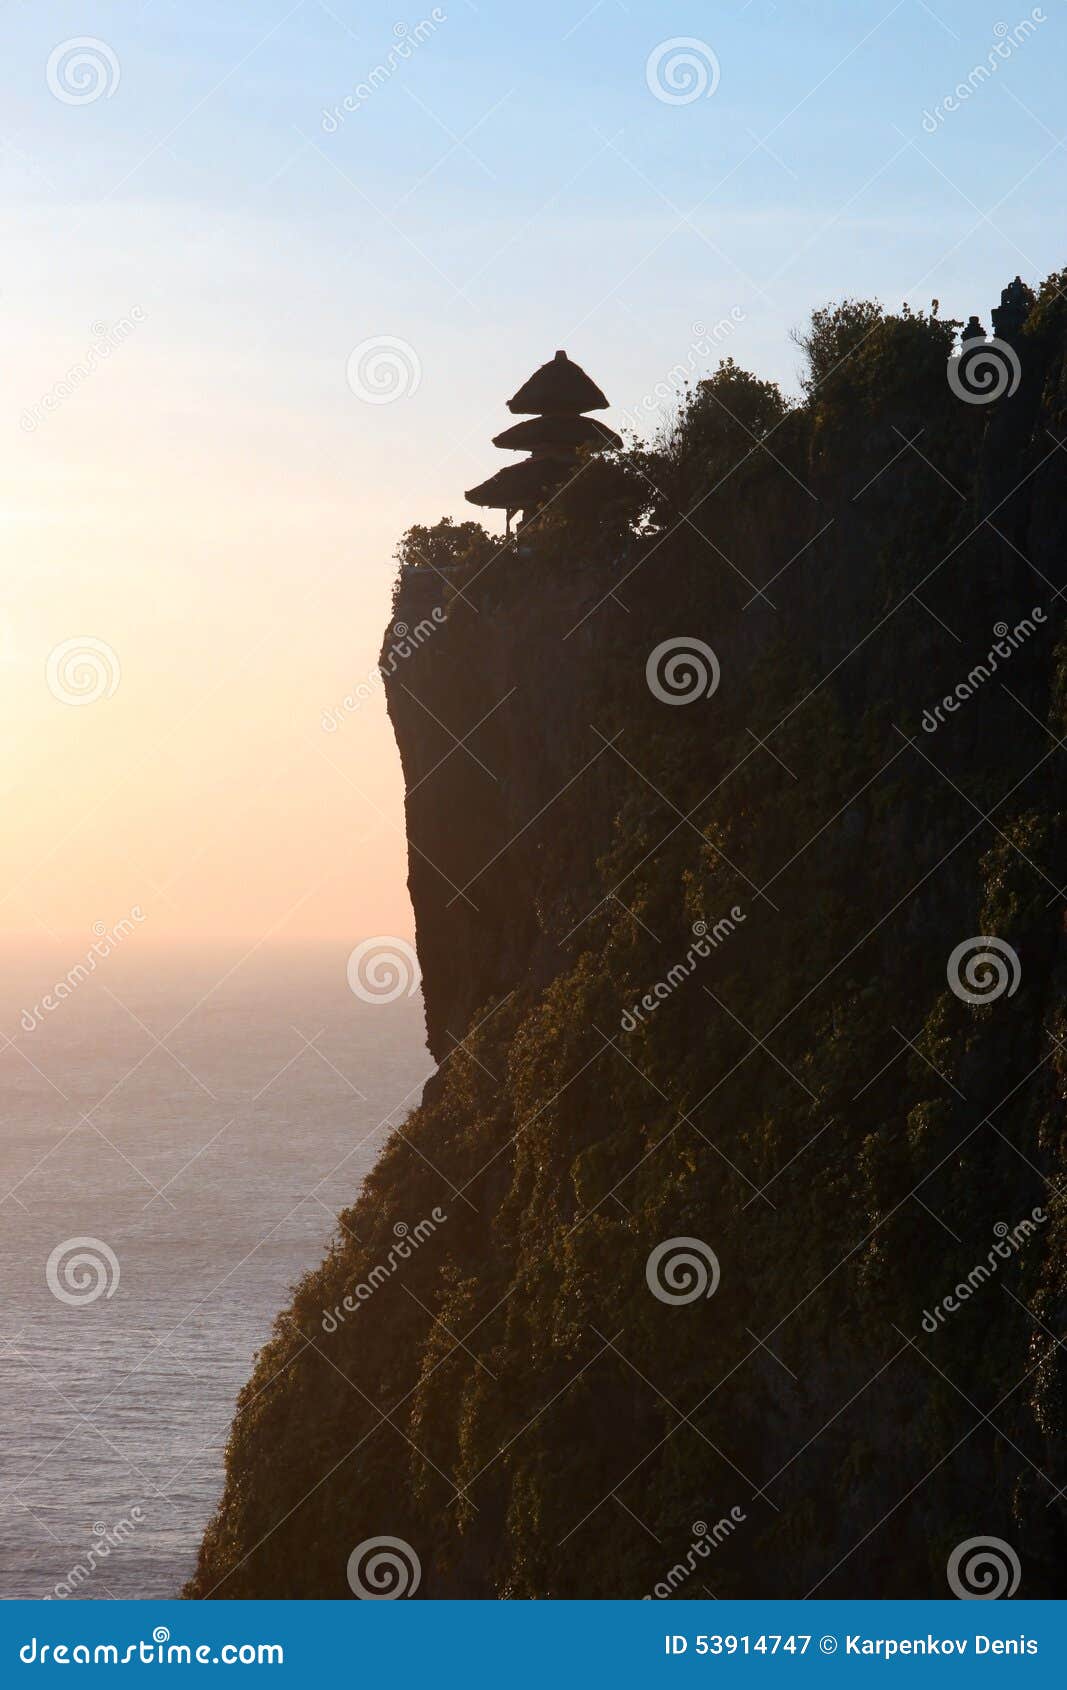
point(808, 1099)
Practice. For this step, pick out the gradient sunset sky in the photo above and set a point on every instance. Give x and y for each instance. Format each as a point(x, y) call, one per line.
point(217, 506)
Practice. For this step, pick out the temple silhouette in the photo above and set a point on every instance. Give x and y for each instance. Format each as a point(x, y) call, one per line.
point(554, 401)
point(1016, 301)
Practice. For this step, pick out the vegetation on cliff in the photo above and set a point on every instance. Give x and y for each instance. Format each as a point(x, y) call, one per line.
point(808, 1096)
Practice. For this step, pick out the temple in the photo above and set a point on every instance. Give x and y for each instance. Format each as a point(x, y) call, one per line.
point(554, 401)
point(1014, 308)
point(1016, 302)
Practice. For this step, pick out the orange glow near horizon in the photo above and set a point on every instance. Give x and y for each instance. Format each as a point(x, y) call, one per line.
point(221, 605)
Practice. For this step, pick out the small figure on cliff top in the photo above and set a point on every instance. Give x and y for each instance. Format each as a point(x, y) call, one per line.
point(555, 400)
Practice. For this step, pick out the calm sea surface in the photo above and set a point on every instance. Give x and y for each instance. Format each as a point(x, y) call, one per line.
point(211, 1166)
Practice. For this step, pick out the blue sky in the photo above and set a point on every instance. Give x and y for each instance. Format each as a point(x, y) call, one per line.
point(217, 490)
point(562, 213)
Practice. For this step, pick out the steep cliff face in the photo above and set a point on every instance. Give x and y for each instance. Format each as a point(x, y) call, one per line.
point(686, 969)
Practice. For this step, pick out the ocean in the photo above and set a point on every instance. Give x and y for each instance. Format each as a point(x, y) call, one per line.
point(201, 1132)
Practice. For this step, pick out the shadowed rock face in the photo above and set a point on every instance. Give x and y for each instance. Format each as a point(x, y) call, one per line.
point(807, 1098)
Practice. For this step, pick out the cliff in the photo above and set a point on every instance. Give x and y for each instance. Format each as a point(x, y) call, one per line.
point(698, 972)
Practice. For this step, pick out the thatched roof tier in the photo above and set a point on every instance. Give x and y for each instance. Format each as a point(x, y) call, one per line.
point(520, 486)
point(554, 399)
point(545, 433)
point(559, 386)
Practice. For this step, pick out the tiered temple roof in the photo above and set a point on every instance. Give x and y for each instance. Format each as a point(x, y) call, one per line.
point(549, 432)
point(560, 385)
point(554, 401)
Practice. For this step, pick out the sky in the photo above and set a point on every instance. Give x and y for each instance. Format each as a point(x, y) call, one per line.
point(209, 209)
